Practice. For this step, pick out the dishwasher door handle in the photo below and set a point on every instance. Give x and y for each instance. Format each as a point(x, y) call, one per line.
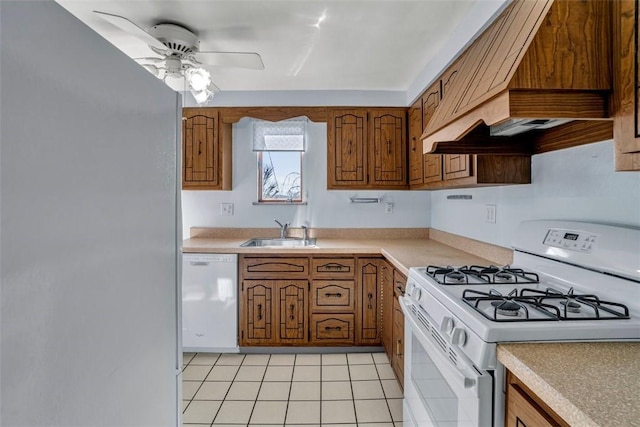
point(199, 263)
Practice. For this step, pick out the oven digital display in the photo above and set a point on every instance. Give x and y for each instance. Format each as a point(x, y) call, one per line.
point(571, 236)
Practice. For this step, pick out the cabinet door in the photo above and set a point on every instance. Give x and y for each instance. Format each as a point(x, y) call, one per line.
point(626, 84)
point(523, 412)
point(387, 308)
point(415, 143)
point(388, 161)
point(397, 362)
point(432, 163)
point(457, 166)
point(292, 302)
point(368, 311)
point(200, 150)
point(256, 313)
point(346, 159)
point(432, 167)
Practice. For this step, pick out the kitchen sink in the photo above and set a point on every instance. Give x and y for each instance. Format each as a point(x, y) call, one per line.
point(280, 243)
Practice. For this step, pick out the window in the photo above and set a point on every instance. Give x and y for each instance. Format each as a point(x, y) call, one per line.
point(280, 146)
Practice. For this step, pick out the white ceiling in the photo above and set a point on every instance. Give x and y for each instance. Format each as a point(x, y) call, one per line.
point(305, 44)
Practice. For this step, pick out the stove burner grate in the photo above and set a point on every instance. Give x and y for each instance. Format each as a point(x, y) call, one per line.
point(476, 274)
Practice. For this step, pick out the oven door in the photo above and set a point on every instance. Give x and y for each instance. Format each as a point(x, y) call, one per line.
point(441, 388)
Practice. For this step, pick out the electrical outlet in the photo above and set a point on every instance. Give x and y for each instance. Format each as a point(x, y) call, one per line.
point(490, 214)
point(388, 208)
point(226, 209)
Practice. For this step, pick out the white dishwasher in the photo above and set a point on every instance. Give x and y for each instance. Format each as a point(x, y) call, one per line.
point(210, 303)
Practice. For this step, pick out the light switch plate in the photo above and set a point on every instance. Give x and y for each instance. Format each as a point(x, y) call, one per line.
point(490, 214)
point(226, 209)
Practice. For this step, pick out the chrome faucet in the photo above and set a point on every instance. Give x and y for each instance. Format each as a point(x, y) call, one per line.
point(283, 228)
point(304, 232)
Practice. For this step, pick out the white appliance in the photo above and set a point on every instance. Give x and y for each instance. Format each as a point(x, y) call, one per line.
point(210, 302)
point(90, 229)
point(570, 281)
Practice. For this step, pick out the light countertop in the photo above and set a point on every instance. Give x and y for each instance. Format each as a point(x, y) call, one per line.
point(587, 384)
point(402, 253)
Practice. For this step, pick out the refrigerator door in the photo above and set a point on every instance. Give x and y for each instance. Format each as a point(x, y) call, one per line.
point(88, 277)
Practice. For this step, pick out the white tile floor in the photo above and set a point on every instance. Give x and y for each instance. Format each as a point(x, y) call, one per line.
point(306, 390)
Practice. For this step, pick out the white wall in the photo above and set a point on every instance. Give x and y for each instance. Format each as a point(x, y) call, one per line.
point(327, 209)
point(573, 184)
point(88, 192)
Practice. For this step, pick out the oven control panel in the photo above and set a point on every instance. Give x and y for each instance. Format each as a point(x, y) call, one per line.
point(571, 240)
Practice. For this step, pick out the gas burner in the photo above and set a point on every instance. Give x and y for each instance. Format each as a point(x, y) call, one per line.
point(506, 307)
point(571, 306)
point(504, 277)
point(455, 276)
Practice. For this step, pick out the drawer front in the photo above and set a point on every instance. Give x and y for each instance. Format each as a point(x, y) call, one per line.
point(333, 296)
point(398, 315)
point(262, 267)
point(333, 328)
point(333, 267)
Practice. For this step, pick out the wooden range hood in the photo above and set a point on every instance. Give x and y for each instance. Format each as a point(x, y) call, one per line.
point(542, 59)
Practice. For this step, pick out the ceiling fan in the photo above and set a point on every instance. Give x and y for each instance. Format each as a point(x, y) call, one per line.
point(180, 56)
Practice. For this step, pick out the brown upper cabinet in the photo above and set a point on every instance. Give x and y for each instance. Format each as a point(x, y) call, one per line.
point(538, 60)
point(206, 150)
point(626, 95)
point(366, 148)
point(459, 170)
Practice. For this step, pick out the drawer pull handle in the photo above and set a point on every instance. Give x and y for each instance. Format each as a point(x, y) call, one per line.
point(399, 348)
point(349, 147)
point(259, 312)
point(399, 288)
point(292, 308)
point(335, 328)
point(329, 295)
point(388, 147)
point(370, 296)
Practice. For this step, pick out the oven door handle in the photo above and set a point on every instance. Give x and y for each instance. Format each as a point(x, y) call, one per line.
point(464, 376)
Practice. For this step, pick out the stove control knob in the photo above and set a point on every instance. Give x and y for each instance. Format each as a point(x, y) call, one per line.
point(417, 294)
point(447, 325)
point(458, 337)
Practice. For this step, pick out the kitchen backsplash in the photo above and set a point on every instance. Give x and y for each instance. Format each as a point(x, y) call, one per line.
point(573, 184)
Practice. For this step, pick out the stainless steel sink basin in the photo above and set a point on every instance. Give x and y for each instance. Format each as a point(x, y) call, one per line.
point(280, 243)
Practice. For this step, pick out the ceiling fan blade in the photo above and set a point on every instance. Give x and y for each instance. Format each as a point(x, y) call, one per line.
point(131, 28)
point(150, 59)
point(249, 60)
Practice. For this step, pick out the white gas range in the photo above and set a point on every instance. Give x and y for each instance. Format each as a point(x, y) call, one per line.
point(570, 281)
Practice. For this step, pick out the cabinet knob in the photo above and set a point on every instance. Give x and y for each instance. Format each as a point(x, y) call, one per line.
point(399, 347)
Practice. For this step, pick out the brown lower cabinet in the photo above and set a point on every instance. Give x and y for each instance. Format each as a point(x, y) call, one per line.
point(310, 300)
point(397, 361)
point(393, 284)
point(276, 312)
point(525, 409)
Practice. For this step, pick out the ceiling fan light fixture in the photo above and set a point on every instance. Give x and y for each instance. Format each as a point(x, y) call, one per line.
point(202, 96)
point(199, 79)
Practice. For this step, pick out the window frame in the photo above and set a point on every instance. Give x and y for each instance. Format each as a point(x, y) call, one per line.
point(261, 199)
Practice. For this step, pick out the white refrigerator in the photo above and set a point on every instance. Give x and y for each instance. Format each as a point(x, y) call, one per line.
point(89, 237)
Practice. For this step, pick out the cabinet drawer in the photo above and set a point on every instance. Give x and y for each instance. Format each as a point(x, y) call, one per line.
point(333, 328)
point(333, 295)
point(263, 267)
point(333, 267)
